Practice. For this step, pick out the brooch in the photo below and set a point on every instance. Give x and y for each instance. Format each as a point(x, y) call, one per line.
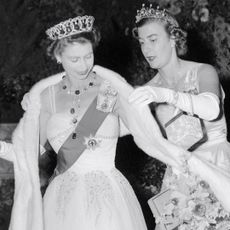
point(91, 142)
point(106, 98)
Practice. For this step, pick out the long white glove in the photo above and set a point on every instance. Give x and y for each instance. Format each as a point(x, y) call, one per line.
point(205, 105)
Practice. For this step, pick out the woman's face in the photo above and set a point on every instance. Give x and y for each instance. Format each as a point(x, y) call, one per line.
point(156, 44)
point(77, 59)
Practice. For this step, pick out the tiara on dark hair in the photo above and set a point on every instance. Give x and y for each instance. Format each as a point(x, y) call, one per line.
point(149, 12)
point(70, 27)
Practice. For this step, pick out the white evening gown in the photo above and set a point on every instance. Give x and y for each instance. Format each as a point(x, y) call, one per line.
point(92, 194)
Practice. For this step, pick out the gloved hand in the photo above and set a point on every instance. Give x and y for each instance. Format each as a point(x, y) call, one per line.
point(205, 105)
point(146, 94)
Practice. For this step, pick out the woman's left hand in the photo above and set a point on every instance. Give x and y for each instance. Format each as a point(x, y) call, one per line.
point(145, 95)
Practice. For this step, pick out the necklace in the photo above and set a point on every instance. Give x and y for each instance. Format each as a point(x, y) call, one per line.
point(77, 93)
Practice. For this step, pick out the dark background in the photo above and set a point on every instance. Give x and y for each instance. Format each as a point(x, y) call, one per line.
point(23, 62)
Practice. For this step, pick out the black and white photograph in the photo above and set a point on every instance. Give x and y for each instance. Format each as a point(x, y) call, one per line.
point(114, 115)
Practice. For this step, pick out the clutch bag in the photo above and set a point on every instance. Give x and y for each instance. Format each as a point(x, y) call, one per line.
point(186, 131)
point(157, 204)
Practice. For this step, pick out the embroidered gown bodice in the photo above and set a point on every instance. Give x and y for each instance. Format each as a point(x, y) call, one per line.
point(216, 130)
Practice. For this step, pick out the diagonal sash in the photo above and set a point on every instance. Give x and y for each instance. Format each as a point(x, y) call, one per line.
point(72, 149)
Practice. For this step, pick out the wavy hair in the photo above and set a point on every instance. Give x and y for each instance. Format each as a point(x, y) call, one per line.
point(56, 47)
point(172, 28)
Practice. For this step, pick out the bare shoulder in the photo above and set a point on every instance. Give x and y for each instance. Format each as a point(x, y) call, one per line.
point(206, 75)
point(207, 72)
point(207, 68)
point(208, 79)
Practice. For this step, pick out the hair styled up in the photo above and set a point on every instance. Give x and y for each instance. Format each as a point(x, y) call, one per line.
point(170, 24)
point(57, 46)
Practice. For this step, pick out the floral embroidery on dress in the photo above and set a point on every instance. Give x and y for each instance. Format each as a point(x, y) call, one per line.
point(187, 130)
point(68, 182)
point(99, 194)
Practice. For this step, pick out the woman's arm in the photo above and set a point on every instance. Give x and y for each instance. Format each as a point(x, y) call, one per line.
point(206, 104)
point(208, 80)
point(141, 123)
point(148, 137)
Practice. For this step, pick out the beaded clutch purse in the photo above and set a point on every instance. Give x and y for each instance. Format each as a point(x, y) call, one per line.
point(186, 131)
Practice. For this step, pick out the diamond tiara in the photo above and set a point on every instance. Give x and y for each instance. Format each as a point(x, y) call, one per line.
point(149, 12)
point(70, 27)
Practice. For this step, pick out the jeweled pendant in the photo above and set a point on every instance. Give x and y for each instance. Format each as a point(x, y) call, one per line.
point(74, 136)
point(77, 92)
point(72, 110)
point(74, 120)
point(92, 143)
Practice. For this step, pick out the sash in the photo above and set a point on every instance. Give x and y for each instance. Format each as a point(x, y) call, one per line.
point(75, 144)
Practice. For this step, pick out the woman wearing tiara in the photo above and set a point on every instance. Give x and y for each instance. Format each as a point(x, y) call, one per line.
point(76, 113)
point(86, 191)
point(188, 103)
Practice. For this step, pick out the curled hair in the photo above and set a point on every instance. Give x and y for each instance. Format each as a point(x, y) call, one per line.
point(56, 47)
point(180, 38)
point(172, 28)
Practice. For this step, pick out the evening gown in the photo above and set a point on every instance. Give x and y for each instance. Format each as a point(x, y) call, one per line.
point(216, 149)
point(216, 143)
point(92, 194)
